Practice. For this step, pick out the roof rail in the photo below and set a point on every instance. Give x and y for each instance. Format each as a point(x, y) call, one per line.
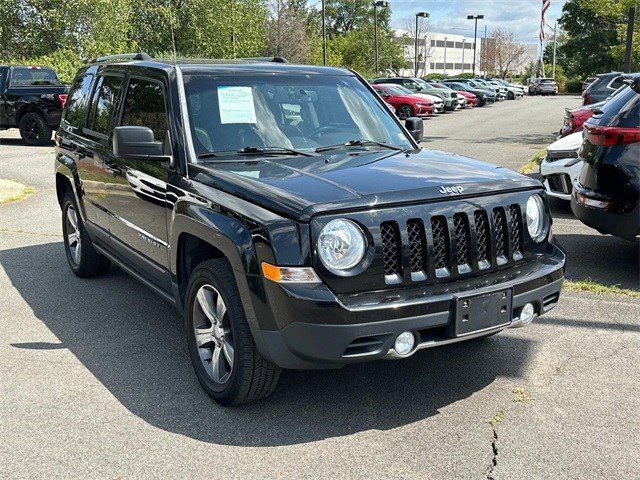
point(264, 59)
point(122, 56)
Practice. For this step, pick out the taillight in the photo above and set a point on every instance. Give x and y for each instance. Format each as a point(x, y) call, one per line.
point(586, 97)
point(62, 98)
point(580, 116)
point(610, 136)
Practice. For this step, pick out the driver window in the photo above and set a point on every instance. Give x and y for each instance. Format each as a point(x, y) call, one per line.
point(144, 106)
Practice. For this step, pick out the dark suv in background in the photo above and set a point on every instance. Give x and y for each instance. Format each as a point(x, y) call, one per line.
point(607, 193)
point(603, 86)
point(31, 99)
point(292, 218)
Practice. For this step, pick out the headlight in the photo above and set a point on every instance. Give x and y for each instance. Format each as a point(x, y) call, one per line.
point(536, 222)
point(341, 246)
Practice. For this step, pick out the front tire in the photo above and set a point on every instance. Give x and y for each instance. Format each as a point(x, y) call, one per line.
point(511, 96)
point(225, 358)
point(34, 130)
point(404, 112)
point(84, 260)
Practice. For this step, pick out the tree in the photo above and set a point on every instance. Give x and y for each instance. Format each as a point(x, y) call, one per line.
point(425, 50)
point(346, 15)
point(501, 53)
point(595, 36)
point(287, 31)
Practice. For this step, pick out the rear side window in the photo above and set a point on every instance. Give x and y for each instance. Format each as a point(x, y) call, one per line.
point(104, 103)
point(617, 83)
point(144, 106)
point(623, 110)
point(30, 76)
point(78, 101)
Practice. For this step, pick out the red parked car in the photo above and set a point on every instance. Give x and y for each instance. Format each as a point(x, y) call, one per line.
point(574, 119)
point(406, 105)
point(471, 99)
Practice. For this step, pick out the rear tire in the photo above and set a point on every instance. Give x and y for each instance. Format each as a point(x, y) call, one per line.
point(84, 260)
point(225, 358)
point(34, 130)
point(511, 96)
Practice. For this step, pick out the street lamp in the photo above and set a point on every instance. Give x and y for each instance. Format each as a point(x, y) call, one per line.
point(475, 37)
point(381, 4)
point(418, 15)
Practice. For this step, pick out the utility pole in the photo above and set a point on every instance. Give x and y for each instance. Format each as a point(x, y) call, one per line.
point(483, 53)
point(445, 55)
point(381, 4)
point(555, 44)
point(475, 37)
point(627, 54)
point(415, 55)
point(464, 47)
point(324, 36)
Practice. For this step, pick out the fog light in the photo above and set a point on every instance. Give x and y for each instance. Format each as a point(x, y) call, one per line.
point(404, 343)
point(527, 313)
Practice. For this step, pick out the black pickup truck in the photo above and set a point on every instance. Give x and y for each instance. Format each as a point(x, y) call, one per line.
point(31, 99)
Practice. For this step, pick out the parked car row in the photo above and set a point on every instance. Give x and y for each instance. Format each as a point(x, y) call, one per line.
point(596, 162)
point(418, 97)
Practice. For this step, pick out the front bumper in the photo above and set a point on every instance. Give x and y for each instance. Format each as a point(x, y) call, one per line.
point(558, 188)
point(322, 330)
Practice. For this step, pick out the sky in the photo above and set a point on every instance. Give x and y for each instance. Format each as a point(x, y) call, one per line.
point(522, 17)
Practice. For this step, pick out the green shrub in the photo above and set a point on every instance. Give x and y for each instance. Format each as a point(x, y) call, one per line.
point(574, 85)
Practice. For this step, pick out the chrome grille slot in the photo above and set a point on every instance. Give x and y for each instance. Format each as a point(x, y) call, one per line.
point(483, 239)
point(463, 242)
point(501, 235)
point(515, 231)
point(391, 252)
point(441, 246)
point(417, 249)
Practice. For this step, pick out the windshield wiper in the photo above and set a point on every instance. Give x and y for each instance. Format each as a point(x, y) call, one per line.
point(273, 151)
point(358, 143)
point(258, 151)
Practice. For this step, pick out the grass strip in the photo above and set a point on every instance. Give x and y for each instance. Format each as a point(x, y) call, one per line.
point(594, 287)
point(533, 164)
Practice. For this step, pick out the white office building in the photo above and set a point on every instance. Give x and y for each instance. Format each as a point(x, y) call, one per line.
point(439, 53)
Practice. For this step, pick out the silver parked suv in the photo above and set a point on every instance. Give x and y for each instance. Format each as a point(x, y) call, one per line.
point(543, 86)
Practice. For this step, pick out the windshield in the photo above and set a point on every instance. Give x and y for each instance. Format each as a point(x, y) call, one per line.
point(303, 112)
point(546, 80)
point(27, 76)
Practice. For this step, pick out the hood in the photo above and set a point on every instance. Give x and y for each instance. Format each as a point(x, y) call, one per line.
point(300, 187)
point(433, 98)
point(567, 144)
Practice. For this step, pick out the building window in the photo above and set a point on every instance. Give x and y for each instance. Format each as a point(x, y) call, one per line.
point(451, 44)
point(432, 66)
point(433, 43)
point(439, 43)
point(459, 45)
point(449, 66)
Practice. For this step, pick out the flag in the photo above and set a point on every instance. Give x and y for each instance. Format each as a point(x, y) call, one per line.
point(545, 5)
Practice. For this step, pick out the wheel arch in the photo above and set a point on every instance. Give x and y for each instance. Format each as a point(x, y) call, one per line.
point(29, 108)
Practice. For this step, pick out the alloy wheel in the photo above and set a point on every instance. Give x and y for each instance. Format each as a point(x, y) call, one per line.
point(30, 130)
point(213, 337)
point(74, 241)
point(404, 112)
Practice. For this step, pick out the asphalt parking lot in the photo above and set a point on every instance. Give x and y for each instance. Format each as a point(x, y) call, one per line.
point(95, 379)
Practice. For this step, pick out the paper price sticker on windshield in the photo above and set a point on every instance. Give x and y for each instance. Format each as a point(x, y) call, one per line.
point(236, 105)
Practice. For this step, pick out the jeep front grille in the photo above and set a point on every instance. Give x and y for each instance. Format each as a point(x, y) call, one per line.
point(455, 245)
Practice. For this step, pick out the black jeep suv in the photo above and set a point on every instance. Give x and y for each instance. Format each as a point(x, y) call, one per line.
point(291, 218)
point(31, 99)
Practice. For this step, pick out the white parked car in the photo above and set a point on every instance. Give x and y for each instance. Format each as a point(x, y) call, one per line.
point(561, 167)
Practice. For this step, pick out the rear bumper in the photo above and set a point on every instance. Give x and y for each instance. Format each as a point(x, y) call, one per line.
point(321, 330)
point(625, 226)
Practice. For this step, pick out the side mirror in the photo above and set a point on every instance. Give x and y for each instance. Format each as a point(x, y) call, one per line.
point(418, 89)
point(415, 127)
point(138, 143)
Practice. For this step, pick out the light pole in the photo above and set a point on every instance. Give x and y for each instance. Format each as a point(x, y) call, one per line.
point(464, 47)
point(445, 55)
point(381, 4)
point(418, 15)
point(324, 36)
point(475, 37)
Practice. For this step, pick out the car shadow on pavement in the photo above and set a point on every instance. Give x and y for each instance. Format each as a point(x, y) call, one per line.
point(526, 139)
point(605, 259)
point(20, 143)
point(132, 342)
